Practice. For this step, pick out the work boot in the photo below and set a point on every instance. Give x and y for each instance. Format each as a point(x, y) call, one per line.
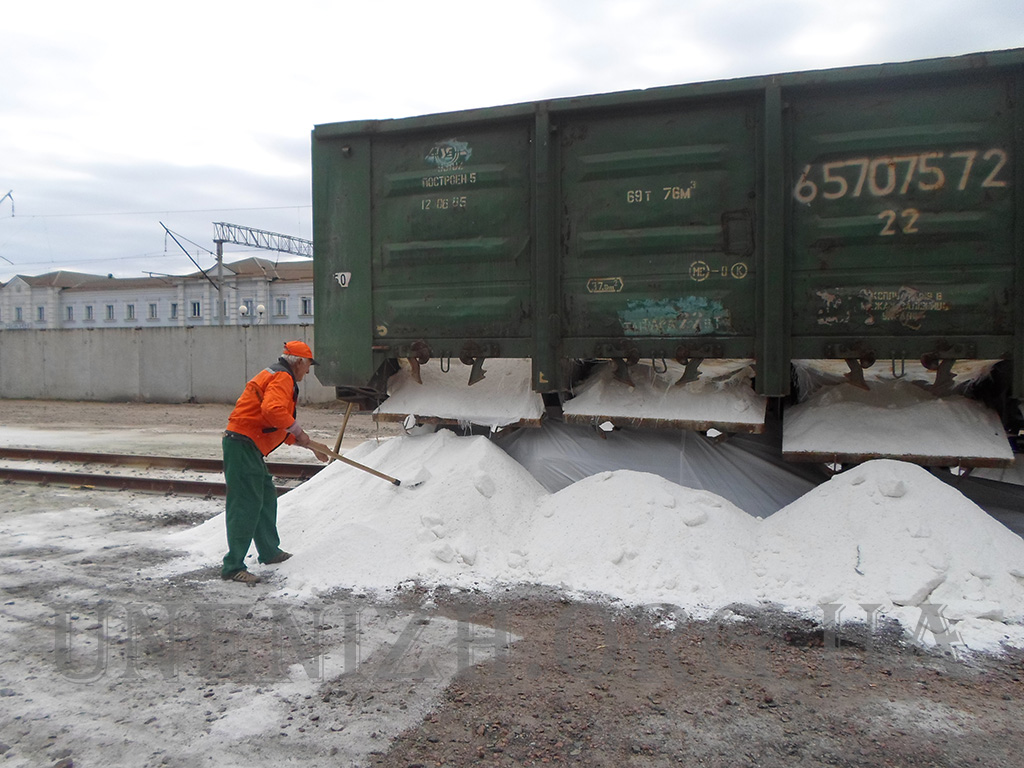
point(280, 557)
point(243, 576)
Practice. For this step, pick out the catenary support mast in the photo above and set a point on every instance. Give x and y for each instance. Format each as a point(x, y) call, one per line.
point(254, 238)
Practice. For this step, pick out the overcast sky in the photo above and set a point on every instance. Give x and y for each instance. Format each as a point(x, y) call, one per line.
point(116, 116)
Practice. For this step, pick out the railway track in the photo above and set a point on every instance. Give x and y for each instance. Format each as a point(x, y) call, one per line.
point(155, 474)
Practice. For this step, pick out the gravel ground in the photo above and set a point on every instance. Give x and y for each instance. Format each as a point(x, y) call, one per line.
point(178, 421)
point(104, 665)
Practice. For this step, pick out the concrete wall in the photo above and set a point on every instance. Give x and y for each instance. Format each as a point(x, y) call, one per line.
point(160, 365)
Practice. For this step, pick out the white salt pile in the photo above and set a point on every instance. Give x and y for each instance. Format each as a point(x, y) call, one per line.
point(643, 539)
point(722, 395)
point(503, 396)
point(812, 375)
point(889, 532)
point(885, 533)
point(350, 529)
point(893, 418)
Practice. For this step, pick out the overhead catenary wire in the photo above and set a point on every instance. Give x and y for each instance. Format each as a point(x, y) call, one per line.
point(9, 196)
point(19, 263)
point(82, 261)
point(203, 271)
point(165, 211)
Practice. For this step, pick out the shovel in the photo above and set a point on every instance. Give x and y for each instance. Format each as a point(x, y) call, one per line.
point(321, 448)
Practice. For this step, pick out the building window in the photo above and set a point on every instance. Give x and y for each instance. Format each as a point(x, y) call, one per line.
point(41, 314)
point(70, 312)
point(280, 307)
point(307, 305)
point(88, 312)
point(197, 309)
point(174, 310)
point(152, 311)
point(110, 311)
point(17, 315)
point(129, 312)
point(250, 307)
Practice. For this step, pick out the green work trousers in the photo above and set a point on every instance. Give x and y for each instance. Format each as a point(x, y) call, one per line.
point(251, 509)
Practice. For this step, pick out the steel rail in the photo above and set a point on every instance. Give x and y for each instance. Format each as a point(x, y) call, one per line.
point(85, 479)
point(276, 468)
point(119, 482)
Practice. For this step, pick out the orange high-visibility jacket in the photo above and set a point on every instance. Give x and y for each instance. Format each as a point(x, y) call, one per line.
point(266, 408)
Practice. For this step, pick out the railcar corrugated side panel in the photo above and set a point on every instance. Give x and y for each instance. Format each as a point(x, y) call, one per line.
point(859, 213)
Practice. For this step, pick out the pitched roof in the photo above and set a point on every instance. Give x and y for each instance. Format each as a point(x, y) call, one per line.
point(254, 266)
point(122, 283)
point(60, 279)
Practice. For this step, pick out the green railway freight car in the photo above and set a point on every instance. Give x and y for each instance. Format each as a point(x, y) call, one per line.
point(868, 216)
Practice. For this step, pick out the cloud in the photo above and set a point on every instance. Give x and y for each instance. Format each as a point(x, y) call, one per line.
point(118, 210)
point(109, 112)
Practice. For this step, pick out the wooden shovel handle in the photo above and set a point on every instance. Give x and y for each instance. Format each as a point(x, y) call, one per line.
point(321, 448)
point(341, 434)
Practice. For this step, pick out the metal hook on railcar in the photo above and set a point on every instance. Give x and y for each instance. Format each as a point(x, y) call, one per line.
point(664, 365)
point(446, 364)
point(903, 366)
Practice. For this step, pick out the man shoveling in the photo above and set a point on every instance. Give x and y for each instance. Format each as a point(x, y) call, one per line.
point(263, 419)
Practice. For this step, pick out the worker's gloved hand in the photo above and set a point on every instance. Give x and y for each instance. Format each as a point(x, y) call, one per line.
point(301, 438)
point(320, 456)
